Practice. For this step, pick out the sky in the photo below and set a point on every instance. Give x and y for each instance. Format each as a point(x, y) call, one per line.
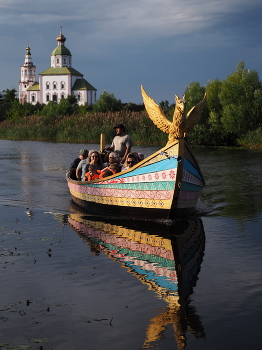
point(120, 44)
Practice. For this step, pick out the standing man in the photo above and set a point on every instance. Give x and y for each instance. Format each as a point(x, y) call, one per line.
point(121, 143)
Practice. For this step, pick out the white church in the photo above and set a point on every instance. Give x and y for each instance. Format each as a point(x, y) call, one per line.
point(56, 82)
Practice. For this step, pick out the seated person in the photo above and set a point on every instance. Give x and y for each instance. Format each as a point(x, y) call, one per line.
point(80, 170)
point(131, 160)
point(94, 158)
point(113, 158)
point(82, 155)
point(92, 173)
point(141, 156)
point(110, 170)
point(105, 173)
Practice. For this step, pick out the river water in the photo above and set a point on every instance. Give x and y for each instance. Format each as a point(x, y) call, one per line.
point(69, 280)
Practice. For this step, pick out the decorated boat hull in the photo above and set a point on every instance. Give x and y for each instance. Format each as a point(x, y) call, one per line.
point(165, 185)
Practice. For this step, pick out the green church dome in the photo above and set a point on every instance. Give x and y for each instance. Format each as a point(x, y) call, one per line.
point(61, 50)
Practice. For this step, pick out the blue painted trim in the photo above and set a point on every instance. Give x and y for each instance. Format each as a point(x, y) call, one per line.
point(161, 281)
point(165, 164)
point(191, 168)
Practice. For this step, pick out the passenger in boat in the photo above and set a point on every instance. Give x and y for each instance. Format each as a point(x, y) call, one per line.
point(113, 158)
point(92, 174)
point(131, 160)
point(135, 154)
point(141, 156)
point(112, 169)
point(80, 170)
point(105, 173)
point(121, 143)
point(95, 159)
point(115, 167)
point(82, 155)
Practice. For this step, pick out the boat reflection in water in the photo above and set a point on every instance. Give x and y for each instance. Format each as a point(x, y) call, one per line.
point(166, 258)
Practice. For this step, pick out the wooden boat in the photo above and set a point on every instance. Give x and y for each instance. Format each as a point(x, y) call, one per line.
point(165, 185)
point(165, 258)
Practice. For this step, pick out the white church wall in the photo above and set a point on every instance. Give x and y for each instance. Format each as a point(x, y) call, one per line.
point(54, 85)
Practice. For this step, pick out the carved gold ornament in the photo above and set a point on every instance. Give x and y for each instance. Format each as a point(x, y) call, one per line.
point(181, 125)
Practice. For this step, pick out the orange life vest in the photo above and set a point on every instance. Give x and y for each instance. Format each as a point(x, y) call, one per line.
point(95, 176)
point(104, 170)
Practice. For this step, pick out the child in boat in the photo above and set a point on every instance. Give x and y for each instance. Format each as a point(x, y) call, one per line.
point(110, 170)
point(92, 173)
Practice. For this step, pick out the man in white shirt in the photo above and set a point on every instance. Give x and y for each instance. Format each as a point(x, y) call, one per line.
point(121, 143)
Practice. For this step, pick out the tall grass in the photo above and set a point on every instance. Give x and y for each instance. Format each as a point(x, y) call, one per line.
point(83, 128)
point(253, 139)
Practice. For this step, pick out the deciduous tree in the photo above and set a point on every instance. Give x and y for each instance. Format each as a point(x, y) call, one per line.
point(241, 99)
point(107, 102)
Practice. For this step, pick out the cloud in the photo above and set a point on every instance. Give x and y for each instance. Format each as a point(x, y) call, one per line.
point(118, 43)
point(117, 19)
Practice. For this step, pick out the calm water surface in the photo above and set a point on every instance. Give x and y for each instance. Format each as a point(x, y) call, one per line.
point(69, 280)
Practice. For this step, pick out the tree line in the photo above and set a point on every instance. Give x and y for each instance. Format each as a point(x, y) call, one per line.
point(232, 114)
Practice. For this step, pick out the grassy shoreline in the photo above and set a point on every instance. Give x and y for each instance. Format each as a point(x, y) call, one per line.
point(87, 128)
point(84, 128)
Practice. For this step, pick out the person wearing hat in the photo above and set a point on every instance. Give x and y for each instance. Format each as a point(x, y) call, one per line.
point(121, 143)
point(82, 155)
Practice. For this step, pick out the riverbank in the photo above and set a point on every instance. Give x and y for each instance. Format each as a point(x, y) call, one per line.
point(86, 128)
point(83, 128)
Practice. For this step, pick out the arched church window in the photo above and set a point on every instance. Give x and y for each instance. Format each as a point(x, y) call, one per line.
point(57, 60)
point(64, 60)
point(47, 97)
point(26, 72)
point(78, 97)
point(33, 98)
point(47, 85)
point(62, 84)
point(54, 85)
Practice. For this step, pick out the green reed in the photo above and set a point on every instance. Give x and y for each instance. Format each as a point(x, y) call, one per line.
point(83, 128)
point(253, 139)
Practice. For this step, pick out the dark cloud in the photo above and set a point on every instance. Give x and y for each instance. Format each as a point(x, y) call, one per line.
point(119, 45)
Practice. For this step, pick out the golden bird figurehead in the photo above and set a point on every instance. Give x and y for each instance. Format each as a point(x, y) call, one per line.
point(181, 124)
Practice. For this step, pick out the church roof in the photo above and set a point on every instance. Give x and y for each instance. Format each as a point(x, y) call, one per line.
point(61, 50)
point(34, 87)
point(82, 84)
point(61, 71)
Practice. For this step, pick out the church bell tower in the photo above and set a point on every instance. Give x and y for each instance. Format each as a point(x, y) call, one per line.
point(28, 76)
